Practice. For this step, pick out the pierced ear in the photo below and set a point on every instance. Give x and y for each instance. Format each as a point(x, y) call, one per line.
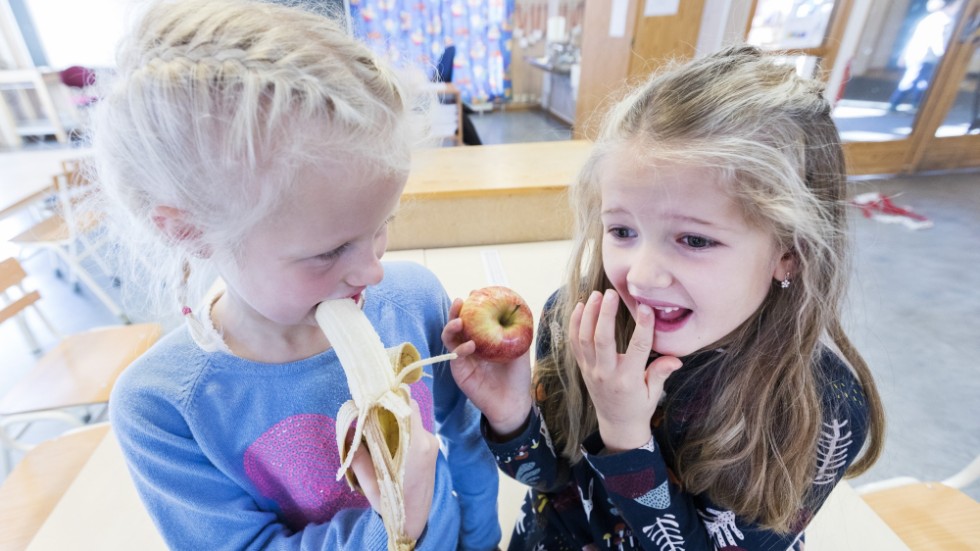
point(170, 221)
point(786, 266)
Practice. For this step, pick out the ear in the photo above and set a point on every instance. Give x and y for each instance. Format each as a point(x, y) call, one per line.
point(170, 221)
point(786, 266)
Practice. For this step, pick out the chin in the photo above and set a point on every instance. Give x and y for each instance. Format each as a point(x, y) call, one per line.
point(677, 351)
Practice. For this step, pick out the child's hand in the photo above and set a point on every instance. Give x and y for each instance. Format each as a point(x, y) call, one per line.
point(624, 389)
point(420, 476)
point(502, 391)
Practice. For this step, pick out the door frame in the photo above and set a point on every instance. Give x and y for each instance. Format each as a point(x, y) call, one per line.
point(921, 149)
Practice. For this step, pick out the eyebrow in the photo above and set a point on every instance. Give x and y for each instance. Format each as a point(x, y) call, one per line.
point(694, 219)
point(675, 216)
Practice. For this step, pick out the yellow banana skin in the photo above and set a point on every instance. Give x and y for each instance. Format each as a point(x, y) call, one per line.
point(378, 379)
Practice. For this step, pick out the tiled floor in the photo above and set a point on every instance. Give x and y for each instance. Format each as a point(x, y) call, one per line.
point(519, 126)
point(913, 311)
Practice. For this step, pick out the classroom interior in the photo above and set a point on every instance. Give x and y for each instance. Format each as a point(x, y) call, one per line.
point(496, 213)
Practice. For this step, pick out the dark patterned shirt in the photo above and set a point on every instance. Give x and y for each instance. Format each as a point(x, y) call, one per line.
point(632, 500)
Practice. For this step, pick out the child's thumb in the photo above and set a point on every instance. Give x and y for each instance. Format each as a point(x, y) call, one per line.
point(661, 368)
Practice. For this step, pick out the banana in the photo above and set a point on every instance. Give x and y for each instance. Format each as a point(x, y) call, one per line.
point(378, 379)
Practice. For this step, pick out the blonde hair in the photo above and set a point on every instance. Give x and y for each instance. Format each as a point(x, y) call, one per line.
point(770, 134)
point(214, 108)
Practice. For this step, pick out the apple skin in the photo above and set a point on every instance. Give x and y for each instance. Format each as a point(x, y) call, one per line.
point(499, 323)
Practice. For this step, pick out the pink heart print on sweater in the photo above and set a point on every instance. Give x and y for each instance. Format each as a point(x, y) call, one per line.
point(295, 462)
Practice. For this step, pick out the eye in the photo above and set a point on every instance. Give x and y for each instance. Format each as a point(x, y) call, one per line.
point(621, 232)
point(384, 227)
point(698, 241)
point(332, 254)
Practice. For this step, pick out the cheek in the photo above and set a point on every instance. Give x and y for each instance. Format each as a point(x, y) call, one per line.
point(381, 243)
point(616, 267)
point(754, 291)
point(612, 266)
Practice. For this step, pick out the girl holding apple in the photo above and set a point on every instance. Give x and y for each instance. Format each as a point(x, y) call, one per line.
point(693, 388)
point(262, 144)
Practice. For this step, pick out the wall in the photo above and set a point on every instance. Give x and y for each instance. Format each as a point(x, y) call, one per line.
point(76, 32)
point(530, 22)
point(13, 51)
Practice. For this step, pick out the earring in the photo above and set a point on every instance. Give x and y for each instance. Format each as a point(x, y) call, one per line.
point(785, 282)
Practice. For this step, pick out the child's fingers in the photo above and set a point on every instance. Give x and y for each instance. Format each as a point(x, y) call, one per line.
point(642, 340)
point(586, 332)
point(574, 327)
point(605, 331)
point(452, 334)
point(366, 478)
point(659, 370)
point(423, 444)
point(465, 349)
point(455, 307)
point(416, 416)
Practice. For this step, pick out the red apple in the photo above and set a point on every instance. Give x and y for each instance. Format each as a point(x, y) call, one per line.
point(499, 322)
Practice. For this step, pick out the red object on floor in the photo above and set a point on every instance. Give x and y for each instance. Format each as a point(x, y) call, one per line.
point(880, 207)
point(884, 205)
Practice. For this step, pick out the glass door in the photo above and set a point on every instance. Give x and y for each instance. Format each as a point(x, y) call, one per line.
point(806, 32)
point(950, 136)
point(897, 87)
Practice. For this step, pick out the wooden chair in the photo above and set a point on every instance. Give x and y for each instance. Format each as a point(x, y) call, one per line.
point(79, 371)
point(42, 477)
point(67, 233)
point(929, 515)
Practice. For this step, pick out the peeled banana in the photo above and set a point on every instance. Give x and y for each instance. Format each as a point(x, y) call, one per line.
point(378, 379)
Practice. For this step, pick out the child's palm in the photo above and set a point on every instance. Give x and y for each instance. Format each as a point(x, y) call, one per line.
point(623, 388)
point(419, 480)
point(500, 390)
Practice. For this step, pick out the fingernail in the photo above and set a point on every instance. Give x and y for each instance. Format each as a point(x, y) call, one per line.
point(644, 311)
point(610, 294)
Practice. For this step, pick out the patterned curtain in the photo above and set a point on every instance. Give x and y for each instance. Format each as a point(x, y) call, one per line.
point(417, 32)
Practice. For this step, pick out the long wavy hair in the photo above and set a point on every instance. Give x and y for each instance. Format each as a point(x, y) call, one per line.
point(215, 107)
point(769, 133)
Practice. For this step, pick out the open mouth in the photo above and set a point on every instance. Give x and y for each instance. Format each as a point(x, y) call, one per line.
point(670, 318)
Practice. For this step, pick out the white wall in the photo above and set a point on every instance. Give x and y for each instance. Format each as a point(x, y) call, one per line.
point(723, 23)
point(79, 32)
point(13, 52)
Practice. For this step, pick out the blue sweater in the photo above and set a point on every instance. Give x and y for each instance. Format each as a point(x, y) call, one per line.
point(633, 500)
point(228, 453)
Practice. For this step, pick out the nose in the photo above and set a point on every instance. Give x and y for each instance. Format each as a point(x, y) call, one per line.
point(649, 270)
point(366, 268)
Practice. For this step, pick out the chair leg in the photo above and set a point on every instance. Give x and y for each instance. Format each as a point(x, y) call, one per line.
point(47, 323)
point(80, 272)
point(91, 250)
point(28, 334)
point(965, 477)
point(10, 443)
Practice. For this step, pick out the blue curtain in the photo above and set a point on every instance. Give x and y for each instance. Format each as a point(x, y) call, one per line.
point(415, 32)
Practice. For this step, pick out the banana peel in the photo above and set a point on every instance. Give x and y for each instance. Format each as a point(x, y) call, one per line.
point(379, 410)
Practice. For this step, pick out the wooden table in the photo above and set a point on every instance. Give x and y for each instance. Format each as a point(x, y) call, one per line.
point(929, 516)
point(26, 176)
point(80, 370)
point(15, 197)
point(36, 485)
point(98, 508)
point(510, 193)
